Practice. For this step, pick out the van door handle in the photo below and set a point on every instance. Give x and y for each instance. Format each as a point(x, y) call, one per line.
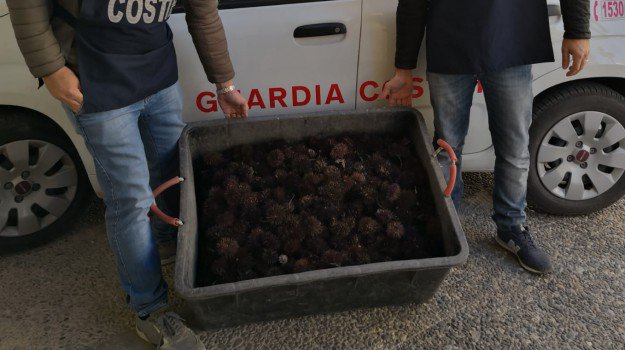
point(320, 29)
point(554, 10)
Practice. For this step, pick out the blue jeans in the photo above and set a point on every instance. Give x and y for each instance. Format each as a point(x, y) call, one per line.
point(135, 149)
point(509, 101)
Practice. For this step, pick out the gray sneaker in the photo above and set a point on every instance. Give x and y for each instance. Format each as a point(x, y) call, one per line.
point(167, 252)
point(519, 242)
point(167, 331)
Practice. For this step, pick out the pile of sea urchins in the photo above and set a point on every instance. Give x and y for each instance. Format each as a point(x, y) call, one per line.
point(278, 208)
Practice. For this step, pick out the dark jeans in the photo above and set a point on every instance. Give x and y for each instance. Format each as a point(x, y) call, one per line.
point(509, 100)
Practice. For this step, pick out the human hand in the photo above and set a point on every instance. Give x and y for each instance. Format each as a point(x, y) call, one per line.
point(232, 103)
point(398, 90)
point(65, 87)
point(578, 49)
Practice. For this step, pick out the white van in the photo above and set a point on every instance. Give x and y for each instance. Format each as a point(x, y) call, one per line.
point(46, 172)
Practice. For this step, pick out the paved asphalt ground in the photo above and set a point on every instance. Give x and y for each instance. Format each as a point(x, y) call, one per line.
point(66, 295)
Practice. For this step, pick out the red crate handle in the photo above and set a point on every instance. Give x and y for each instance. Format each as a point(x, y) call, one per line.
point(453, 169)
point(159, 213)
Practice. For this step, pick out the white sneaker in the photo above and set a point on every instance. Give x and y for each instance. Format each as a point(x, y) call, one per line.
point(167, 331)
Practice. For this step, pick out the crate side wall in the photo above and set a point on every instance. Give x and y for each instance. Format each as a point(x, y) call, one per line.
point(330, 296)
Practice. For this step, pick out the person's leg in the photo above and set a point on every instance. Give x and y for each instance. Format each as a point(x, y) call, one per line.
point(452, 96)
point(509, 101)
point(161, 124)
point(114, 141)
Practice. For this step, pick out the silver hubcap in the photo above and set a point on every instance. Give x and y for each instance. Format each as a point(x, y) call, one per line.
point(582, 156)
point(38, 182)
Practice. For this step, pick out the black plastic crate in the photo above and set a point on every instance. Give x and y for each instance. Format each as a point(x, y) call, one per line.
point(319, 291)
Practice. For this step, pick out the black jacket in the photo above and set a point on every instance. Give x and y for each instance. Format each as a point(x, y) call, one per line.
point(412, 18)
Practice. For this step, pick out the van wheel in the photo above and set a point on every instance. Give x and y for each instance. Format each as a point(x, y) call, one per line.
point(577, 148)
point(43, 185)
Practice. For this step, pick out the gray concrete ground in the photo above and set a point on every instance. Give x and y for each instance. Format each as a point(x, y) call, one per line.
point(66, 295)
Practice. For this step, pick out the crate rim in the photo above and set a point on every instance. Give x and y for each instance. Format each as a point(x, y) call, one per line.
point(182, 268)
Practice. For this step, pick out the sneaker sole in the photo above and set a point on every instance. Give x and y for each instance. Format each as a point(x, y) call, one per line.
point(143, 336)
point(505, 246)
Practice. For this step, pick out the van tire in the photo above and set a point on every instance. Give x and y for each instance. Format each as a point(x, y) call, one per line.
point(554, 108)
point(16, 126)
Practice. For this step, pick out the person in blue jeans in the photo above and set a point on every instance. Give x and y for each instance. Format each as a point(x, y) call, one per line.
point(493, 42)
point(115, 71)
